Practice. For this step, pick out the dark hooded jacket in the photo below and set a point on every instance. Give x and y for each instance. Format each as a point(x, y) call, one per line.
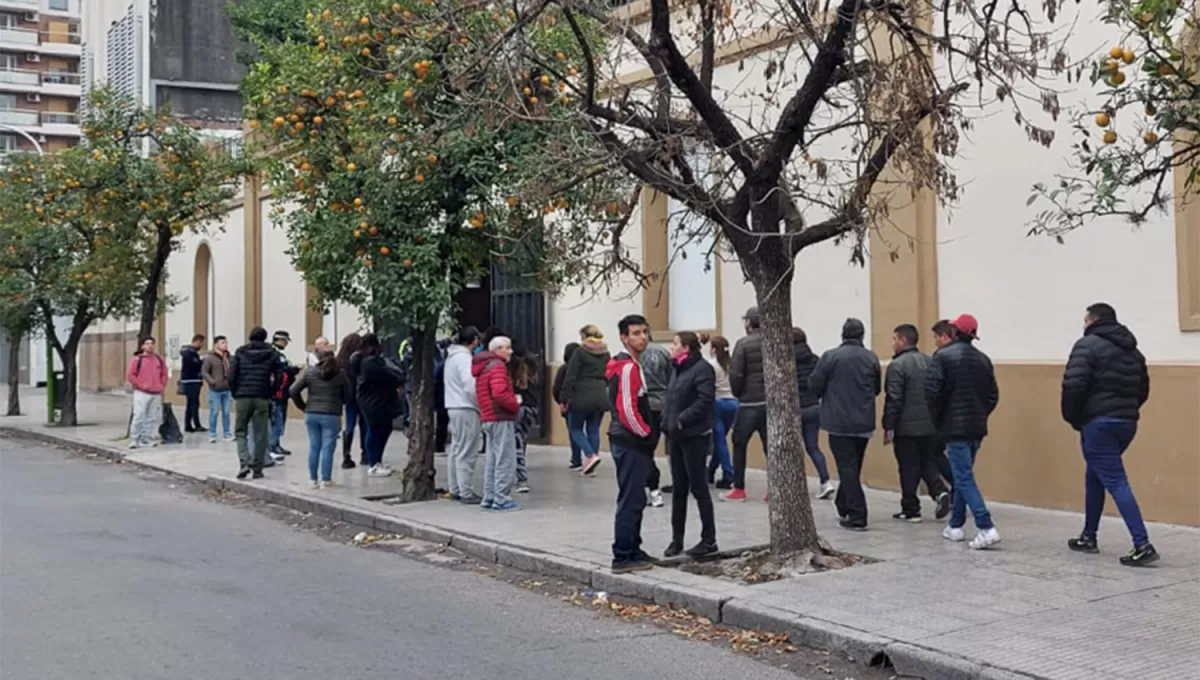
point(585, 387)
point(255, 371)
point(1106, 376)
point(328, 388)
point(688, 408)
point(377, 388)
point(746, 372)
point(806, 361)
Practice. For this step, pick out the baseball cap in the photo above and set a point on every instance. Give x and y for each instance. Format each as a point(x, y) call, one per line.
point(752, 316)
point(283, 335)
point(966, 324)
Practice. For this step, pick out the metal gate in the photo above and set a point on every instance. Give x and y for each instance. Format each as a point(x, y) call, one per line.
point(519, 309)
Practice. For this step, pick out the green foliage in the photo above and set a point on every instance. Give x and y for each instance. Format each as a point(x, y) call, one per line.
point(1130, 147)
point(397, 187)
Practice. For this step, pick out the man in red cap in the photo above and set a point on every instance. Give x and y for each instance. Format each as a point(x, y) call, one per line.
point(961, 391)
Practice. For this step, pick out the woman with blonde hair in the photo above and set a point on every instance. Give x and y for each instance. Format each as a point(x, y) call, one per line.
point(585, 393)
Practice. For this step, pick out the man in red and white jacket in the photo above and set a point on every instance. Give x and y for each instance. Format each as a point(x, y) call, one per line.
point(498, 409)
point(147, 374)
point(633, 436)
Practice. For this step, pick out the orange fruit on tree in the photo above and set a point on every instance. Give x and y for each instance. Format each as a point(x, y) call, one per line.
point(533, 100)
point(366, 51)
point(1110, 137)
point(432, 158)
point(527, 92)
point(358, 203)
point(392, 120)
point(1128, 55)
point(1103, 119)
point(545, 80)
point(357, 234)
point(384, 250)
point(1116, 52)
point(1117, 78)
point(365, 21)
point(408, 262)
point(351, 167)
point(279, 121)
point(419, 178)
point(1150, 137)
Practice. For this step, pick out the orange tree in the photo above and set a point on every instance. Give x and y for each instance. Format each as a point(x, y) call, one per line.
point(18, 316)
point(59, 257)
point(1143, 125)
point(155, 178)
point(396, 193)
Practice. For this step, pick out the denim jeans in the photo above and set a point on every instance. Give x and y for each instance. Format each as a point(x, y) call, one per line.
point(810, 430)
point(966, 491)
point(278, 419)
point(219, 400)
point(378, 435)
point(585, 431)
point(633, 469)
point(726, 412)
point(576, 452)
point(1104, 441)
point(323, 429)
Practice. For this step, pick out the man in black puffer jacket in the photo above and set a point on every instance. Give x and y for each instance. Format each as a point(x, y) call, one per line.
point(961, 392)
point(1104, 387)
point(254, 374)
point(749, 387)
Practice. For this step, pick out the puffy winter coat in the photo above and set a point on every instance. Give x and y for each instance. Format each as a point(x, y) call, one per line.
point(806, 361)
point(255, 372)
point(746, 371)
point(1106, 376)
point(494, 388)
point(585, 389)
point(961, 391)
point(377, 388)
point(328, 389)
point(688, 409)
point(190, 365)
point(904, 410)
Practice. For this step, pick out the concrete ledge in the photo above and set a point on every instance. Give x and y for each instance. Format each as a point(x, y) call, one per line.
point(704, 603)
point(910, 660)
point(481, 549)
point(757, 616)
point(628, 585)
point(567, 568)
point(992, 673)
point(863, 646)
point(518, 558)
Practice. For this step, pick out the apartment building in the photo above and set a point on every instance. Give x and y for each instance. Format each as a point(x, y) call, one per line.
point(40, 80)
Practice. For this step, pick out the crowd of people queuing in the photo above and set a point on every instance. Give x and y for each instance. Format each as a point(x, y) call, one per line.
point(935, 416)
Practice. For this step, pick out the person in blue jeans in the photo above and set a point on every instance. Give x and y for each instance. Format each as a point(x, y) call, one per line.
point(725, 411)
point(810, 411)
point(585, 392)
point(215, 372)
point(1105, 384)
point(328, 391)
point(556, 392)
point(961, 393)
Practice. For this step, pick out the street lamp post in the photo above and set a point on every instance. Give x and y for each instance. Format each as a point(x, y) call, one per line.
point(51, 383)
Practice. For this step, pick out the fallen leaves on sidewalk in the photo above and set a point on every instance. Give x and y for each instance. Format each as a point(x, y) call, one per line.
point(691, 626)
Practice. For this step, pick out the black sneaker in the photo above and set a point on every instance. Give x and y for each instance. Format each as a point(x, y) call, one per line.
point(282, 451)
point(630, 565)
point(851, 526)
point(243, 473)
point(1141, 557)
point(258, 474)
point(1084, 544)
point(701, 549)
point(943, 505)
point(673, 550)
point(724, 484)
point(348, 464)
point(575, 466)
point(667, 489)
point(915, 518)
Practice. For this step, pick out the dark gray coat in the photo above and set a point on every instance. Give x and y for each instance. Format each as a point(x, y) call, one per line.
point(328, 390)
point(657, 371)
point(847, 380)
point(746, 371)
point(688, 411)
point(905, 412)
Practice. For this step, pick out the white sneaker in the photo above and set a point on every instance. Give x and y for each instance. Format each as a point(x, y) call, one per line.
point(329, 485)
point(985, 539)
point(212, 440)
point(278, 457)
point(134, 444)
point(827, 490)
point(952, 534)
point(312, 484)
point(379, 471)
point(656, 499)
point(523, 488)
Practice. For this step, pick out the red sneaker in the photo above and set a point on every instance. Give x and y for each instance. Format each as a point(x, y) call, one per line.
point(767, 498)
point(735, 496)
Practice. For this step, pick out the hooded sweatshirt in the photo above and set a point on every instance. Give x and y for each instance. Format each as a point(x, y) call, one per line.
point(494, 388)
point(147, 373)
point(458, 379)
point(1106, 376)
point(585, 386)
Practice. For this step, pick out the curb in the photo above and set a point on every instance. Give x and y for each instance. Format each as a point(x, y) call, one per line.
point(720, 602)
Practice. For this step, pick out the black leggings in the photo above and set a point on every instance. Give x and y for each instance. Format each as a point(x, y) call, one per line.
point(689, 460)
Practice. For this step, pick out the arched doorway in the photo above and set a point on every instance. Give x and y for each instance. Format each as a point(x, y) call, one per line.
point(203, 298)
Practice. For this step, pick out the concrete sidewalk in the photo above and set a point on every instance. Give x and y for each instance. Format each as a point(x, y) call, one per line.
point(1029, 608)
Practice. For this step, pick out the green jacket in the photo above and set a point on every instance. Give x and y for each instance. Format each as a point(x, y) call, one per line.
point(585, 387)
point(904, 409)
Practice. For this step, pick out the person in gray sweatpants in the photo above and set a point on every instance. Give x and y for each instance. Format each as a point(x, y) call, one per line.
point(499, 406)
point(462, 410)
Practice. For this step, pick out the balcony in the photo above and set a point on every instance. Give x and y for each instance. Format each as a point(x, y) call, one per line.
point(20, 5)
point(19, 37)
point(62, 44)
point(59, 118)
point(19, 118)
point(16, 76)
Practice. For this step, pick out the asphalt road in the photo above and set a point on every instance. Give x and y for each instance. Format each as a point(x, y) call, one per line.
point(106, 575)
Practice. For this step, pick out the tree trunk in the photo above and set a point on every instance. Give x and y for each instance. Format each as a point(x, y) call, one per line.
point(149, 311)
point(70, 392)
point(14, 374)
point(419, 474)
point(791, 518)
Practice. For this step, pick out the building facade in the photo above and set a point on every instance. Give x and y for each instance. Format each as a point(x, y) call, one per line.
point(40, 78)
point(930, 262)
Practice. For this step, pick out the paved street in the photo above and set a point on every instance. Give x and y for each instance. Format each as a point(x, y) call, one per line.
point(106, 575)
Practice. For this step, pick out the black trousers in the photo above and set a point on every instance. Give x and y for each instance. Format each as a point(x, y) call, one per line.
point(191, 412)
point(655, 478)
point(750, 419)
point(848, 453)
point(689, 461)
point(633, 469)
point(917, 460)
point(943, 465)
point(442, 432)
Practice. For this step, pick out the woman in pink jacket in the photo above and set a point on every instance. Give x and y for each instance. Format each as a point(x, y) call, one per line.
point(147, 373)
